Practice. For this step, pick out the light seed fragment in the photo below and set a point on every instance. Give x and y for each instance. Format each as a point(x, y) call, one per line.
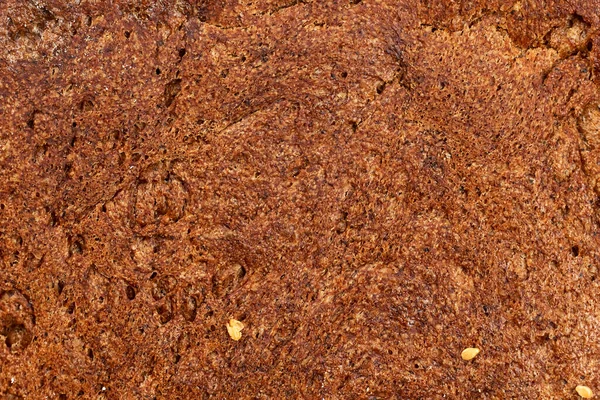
point(584, 392)
point(234, 328)
point(469, 353)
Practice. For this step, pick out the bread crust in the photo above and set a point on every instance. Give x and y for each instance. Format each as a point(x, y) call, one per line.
point(367, 187)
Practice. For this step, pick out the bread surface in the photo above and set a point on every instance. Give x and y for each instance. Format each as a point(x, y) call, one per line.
point(365, 188)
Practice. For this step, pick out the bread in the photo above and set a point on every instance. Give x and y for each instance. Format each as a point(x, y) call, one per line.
point(299, 199)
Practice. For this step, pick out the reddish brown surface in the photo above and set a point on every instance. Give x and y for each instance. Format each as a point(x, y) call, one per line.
point(369, 186)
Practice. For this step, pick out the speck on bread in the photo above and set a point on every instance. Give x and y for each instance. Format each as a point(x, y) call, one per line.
point(584, 392)
point(366, 187)
point(469, 353)
point(234, 329)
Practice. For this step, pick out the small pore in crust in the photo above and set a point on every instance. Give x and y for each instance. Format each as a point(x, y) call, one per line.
point(165, 311)
point(76, 245)
point(130, 292)
point(59, 287)
point(227, 278)
point(17, 337)
point(189, 308)
point(172, 89)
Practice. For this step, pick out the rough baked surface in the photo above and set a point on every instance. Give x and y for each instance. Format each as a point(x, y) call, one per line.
point(370, 187)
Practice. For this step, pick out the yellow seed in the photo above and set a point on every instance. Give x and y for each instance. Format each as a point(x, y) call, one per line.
point(469, 353)
point(234, 328)
point(584, 392)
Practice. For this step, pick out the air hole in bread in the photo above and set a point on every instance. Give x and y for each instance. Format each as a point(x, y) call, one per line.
point(130, 292)
point(165, 311)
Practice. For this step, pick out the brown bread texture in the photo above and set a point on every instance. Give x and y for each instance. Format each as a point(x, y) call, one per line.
point(360, 189)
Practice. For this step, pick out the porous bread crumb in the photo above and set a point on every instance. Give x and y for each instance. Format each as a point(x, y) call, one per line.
point(372, 184)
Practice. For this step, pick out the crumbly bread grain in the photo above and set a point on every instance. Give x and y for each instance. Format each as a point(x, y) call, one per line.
point(368, 184)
